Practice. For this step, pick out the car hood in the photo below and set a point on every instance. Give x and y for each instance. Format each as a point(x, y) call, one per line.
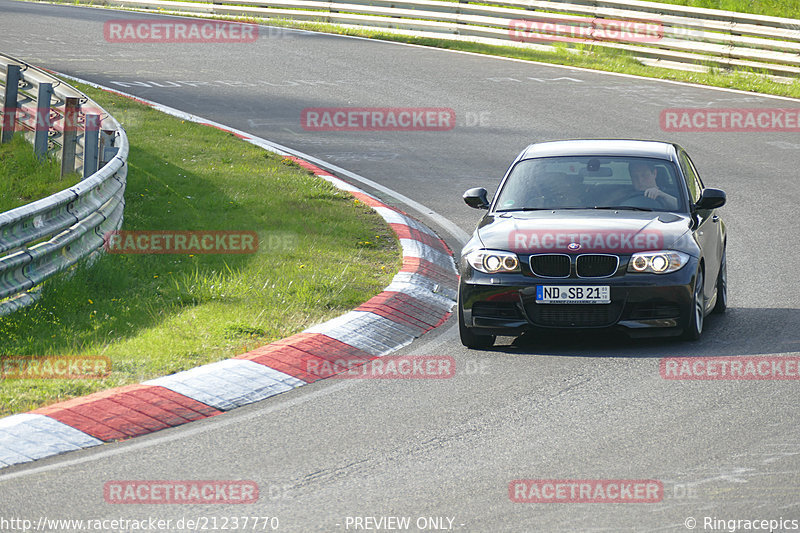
point(584, 231)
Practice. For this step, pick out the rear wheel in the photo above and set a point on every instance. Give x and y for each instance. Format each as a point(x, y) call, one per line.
point(694, 327)
point(469, 338)
point(722, 286)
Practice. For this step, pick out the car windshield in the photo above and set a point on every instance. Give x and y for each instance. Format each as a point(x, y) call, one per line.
point(634, 183)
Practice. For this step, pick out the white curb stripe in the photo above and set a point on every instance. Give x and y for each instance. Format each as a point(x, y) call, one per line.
point(426, 283)
point(228, 384)
point(366, 331)
point(28, 436)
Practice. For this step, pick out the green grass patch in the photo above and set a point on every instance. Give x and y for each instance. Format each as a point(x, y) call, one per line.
point(321, 254)
point(24, 178)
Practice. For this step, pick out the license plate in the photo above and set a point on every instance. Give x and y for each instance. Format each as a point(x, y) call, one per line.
point(573, 294)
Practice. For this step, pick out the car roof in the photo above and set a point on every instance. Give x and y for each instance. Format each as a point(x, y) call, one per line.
point(601, 147)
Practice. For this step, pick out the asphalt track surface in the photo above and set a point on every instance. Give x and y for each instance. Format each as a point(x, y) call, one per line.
point(560, 407)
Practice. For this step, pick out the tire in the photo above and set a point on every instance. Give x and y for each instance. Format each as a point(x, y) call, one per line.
point(722, 286)
point(469, 338)
point(696, 315)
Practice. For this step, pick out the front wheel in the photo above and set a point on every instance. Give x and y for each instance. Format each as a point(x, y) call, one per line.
point(694, 327)
point(469, 338)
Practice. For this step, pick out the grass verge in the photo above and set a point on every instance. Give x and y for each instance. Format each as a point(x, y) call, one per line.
point(24, 178)
point(321, 254)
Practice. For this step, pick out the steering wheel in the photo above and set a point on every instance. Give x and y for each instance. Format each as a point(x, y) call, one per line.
point(642, 201)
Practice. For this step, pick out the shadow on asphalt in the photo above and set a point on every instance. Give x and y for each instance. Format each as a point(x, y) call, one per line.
point(740, 331)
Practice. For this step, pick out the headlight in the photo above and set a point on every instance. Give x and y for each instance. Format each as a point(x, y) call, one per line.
point(493, 261)
point(662, 262)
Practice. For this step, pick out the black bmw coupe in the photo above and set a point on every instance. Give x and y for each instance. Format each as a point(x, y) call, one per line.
point(594, 234)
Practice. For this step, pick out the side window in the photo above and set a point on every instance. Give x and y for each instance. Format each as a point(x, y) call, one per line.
point(692, 179)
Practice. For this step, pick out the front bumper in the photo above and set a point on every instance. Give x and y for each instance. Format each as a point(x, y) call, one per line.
point(504, 304)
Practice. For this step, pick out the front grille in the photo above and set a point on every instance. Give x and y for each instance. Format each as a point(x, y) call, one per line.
point(550, 265)
point(575, 315)
point(596, 265)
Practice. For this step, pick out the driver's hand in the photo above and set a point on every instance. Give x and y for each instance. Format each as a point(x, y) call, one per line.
point(653, 193)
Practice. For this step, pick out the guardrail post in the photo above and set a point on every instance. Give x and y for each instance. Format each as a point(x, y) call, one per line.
point(10, 103)
point(90, 143)
point(107, 149)
point(42, 127)
point(69, 141)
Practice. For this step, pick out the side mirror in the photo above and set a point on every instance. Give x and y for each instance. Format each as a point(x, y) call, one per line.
point(710, 199)
point(477, 198)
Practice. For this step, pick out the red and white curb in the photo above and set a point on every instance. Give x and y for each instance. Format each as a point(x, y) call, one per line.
point(419, 298)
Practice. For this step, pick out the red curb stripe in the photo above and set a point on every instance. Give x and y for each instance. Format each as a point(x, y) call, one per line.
point(286, 368)
point(398, 315)
point(184, 406)
point(410, 306)
point(342, 356)
point(395, 316)
point(128, 411)
point(380, 303)
point(82, 423)
point(407, 232)
point(425, 316)
point(153, 417)
point(290, 354)
point(305, 351)
point(104, 413)
point(294, 357)
point(284, 359)
point(321, 345)
point(162, 408)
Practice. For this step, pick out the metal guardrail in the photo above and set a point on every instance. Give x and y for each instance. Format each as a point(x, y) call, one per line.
point(48, 236)
point(690, 38)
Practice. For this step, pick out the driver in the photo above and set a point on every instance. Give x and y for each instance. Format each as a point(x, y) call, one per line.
point(643, 176)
